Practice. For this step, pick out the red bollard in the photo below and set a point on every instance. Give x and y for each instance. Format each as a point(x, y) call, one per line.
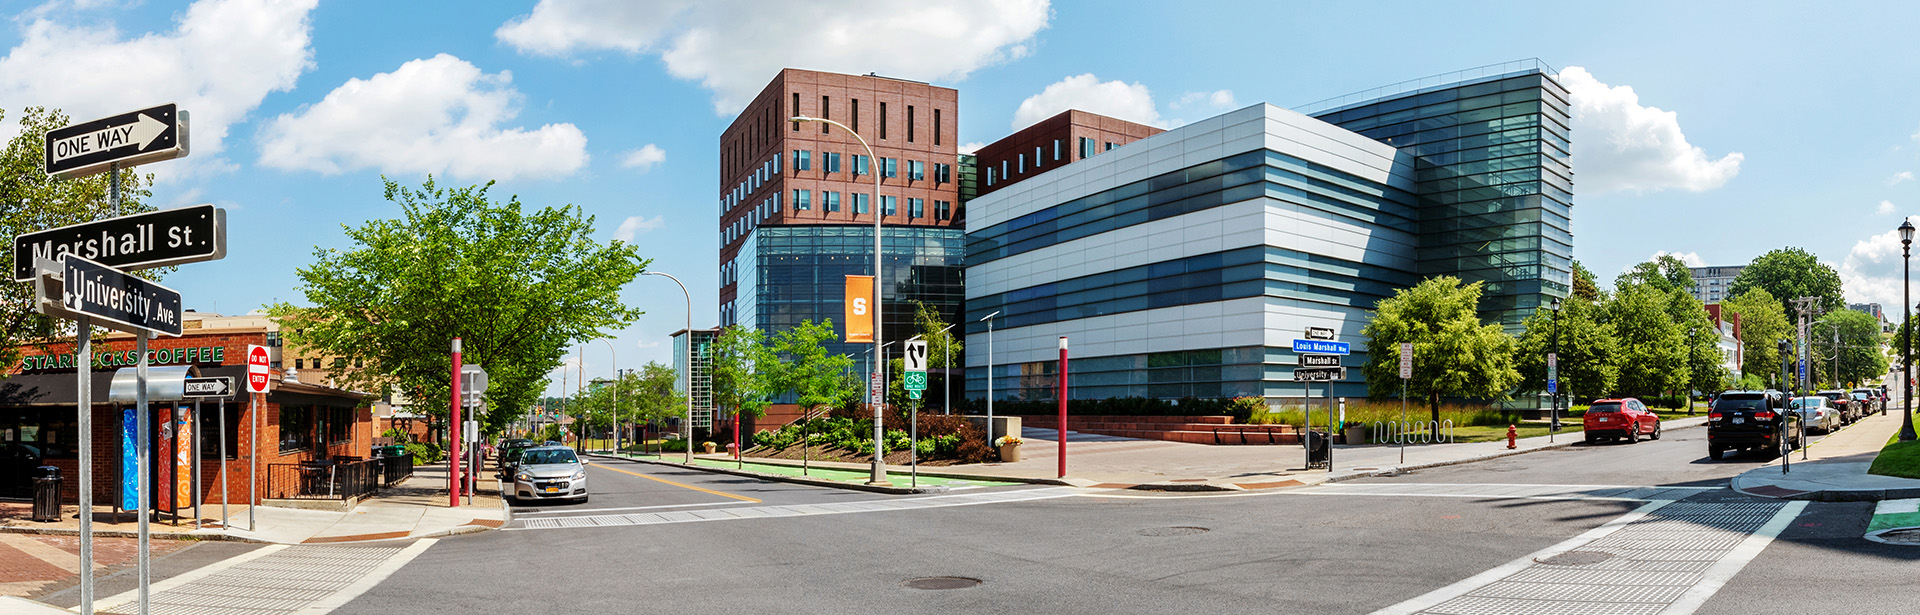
point(1512, 438)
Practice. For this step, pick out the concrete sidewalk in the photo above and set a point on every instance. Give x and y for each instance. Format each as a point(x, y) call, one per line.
point(1113, 462)
point(1835, 468)
point(416, 508)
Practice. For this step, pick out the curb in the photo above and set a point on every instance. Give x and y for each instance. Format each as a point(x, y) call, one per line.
point(800, 480)
point(56, 531)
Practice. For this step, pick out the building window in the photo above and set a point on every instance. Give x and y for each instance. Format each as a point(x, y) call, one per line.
point(296, 428)
point(802, 160)
point(795, 113)
point(883, 121)
point(302, 364)
point(802, 200)
point(859, 164)
point(936, 126)
point(1036, 157)
point(826, 113)
point(1109, 146)
point(1003, 171)
point(859, 203)
point(909, 123)
point(833, 161)
point(774, 168)
point(1086, 148)
point(889, 167)
point(916, 170)
point(1056, 150)
point(989, 176)
point(887, 206)
point(942, 173)
point(774, 205)
point(831, 201)
point(916, 208)
point(855, 113)
point(1023, 164)
point(942, 210)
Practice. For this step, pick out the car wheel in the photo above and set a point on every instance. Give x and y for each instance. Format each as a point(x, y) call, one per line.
point(583, 499)
point(1656, 431)
point(1633, 435)
point(1715, 451)
point(1592, 439)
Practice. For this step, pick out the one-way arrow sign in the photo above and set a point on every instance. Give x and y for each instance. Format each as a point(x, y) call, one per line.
point(210, 387)
point(147, 135)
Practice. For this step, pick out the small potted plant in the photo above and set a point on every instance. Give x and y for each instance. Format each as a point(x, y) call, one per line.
point(1009, 448)
point(709, 446)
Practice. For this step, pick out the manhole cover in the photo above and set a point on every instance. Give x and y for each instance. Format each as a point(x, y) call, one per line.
point(1179, 530)
point(941, 583)
point(1575, 558)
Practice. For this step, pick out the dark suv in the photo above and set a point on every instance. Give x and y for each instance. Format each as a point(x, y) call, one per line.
point(1748, 421)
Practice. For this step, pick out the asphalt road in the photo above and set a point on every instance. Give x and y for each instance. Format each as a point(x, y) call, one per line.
point(1112, 552)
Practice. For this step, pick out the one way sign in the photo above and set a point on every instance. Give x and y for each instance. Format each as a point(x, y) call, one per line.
point(147, 135)
point(210, 387)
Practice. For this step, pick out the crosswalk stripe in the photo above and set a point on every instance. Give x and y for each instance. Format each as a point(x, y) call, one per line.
point(791, 510)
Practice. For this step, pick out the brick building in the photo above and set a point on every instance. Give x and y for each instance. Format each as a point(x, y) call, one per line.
point(1050, 143)
point(298, 421)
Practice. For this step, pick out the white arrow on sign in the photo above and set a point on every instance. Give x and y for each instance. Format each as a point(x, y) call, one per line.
point(140, 133)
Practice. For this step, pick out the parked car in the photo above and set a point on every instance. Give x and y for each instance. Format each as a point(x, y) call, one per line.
point(1747, 421)
point(1849, 411)
point(548, 473)
point(1870, 400)
point(1614, 419)
point(508, 450)
point(1816, 412)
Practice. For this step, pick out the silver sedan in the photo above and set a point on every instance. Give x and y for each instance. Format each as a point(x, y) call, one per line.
point(549, 473)
point(1817, 413)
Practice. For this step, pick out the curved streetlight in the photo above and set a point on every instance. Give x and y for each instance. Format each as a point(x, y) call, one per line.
point(880, 360)
point(688, 427)
point(1906, 341)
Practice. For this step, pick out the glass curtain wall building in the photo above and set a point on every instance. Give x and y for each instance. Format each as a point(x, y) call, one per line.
point(798, 273)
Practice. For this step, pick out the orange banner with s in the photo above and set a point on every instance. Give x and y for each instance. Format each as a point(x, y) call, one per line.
point(859, 299)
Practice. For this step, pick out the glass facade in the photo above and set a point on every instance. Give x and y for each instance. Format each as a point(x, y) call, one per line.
point(1210, 373)
point(1492, 158)
point(701, 373)
point(791, 274)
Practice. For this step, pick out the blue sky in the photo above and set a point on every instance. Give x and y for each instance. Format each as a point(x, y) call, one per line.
point(1713, 130)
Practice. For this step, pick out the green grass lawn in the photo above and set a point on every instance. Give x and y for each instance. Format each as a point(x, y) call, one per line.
point(1900, 459)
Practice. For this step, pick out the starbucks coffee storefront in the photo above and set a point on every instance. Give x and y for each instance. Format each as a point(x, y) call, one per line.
point(298, 422)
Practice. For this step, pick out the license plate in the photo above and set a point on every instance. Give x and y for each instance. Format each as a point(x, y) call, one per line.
point(1738, 420)
point(553, 490)
point(1606, 420)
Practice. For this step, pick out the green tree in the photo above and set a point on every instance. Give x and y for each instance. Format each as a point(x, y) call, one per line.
point(654, 394)
point(517, 287)
point(1705, 369)
point(1859, 351)
point(744, 376)
point(1653, 352)
point(1763, 323)
point(1665, 272)
point(814, 376)
point(1584, 285)
point(943, 345)
point(1788, 273)
point(1453, 353)
point(1587, 349)
point(34, 201)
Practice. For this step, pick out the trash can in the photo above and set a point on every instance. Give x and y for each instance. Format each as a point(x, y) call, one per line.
point(46, 494)
point(1356, 433)
point(391, 450)
point(1317, 449)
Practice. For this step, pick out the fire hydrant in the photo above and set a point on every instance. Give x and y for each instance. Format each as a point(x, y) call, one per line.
point(1513, 436)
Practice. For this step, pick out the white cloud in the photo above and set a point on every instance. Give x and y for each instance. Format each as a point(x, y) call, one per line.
point(645, 344)
point(220, 60)
point(1871, 271)
point(1117, 99)
point(636, 225)
point(967, 149)
point(1886, 207)
point(1903, 176)
point(1217, 100)
point(733, 47)
point(434, 115)
point(1619, 145)
point(644, 158)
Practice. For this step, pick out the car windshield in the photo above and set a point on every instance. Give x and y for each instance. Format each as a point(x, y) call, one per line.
point(546, 456)
point(1859, 395)
point(1612, 406)
point(1799, 403)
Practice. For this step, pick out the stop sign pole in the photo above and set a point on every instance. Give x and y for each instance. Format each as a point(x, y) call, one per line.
point(258, 364)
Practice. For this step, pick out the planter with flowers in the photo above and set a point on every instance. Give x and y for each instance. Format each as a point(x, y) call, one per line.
point(1009, 447)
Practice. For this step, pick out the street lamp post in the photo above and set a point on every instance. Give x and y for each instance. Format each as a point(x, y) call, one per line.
point(880, 359)
point(688, 427)
point(1906, 341)
point(989, 320)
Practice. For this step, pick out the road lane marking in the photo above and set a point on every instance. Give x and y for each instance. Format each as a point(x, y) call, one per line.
point(684, 485)
point(588, 510)
point(792, 510)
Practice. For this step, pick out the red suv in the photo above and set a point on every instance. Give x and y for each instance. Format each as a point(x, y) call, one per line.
point(1620, 418)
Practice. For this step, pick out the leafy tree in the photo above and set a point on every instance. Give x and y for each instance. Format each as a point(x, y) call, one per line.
point(1653, 352)
point(654, 394)
point(1584, 285)
point(34, 201)
point(1453, 353)
point(1705, 369)
point(1665, 272)
point(1587, 349)
point(1859, 351)
point(518, 287)
point(814, 376)
point(943, 344)
point(744, 376)
point(1763, 323)
point(1789, 273)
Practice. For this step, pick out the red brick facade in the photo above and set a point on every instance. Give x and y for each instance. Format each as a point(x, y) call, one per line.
point(1052, 143)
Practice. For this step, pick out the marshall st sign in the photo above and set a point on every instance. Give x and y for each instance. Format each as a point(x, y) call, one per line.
point(140, 241)
point(147, 135)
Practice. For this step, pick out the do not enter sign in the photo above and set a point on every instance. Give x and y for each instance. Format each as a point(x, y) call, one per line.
point(257, 364)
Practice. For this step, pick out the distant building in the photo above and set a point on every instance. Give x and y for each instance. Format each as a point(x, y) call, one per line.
point(1714, 284)
point(1873, 309)
point(696, 383)
point(1731, 349)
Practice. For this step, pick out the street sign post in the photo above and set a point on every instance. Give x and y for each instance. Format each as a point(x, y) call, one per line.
point(1406, 360)
point(914, 356)
point(123, 302)
point(148, 135)
point(1320, 360)
point(1553, 372)
point(221, 387)
point(473, 383)
point(258, 368)
point(140, 241)
point(1321, 347)
point(1320, 333)
point(1406, 372)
